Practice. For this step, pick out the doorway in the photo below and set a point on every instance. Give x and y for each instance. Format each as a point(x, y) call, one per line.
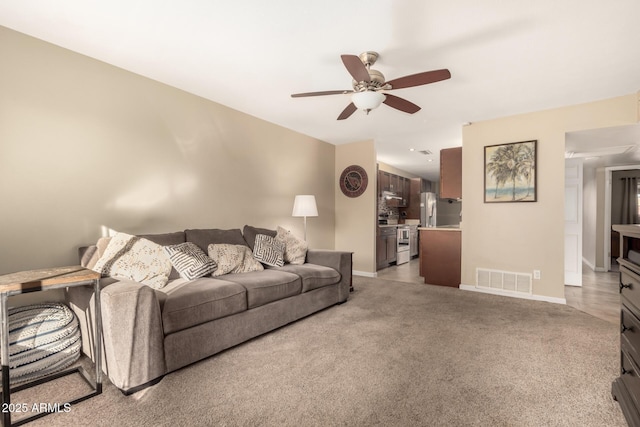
point(613, 215)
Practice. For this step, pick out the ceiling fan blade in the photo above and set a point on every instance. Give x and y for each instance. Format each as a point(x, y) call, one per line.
point(351, 108)
point(326, 92)
point(356, 68)
point(400, 104)
point(420, 79)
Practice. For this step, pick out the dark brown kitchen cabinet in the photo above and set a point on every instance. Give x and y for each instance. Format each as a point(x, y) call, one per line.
point(386, 246)
point(451, 173)
point(406, 192)
point(394, 183)
point(384, 181)
point(440, 256)
point(413, 241)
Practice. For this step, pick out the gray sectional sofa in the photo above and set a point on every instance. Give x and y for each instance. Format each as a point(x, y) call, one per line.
point(150, 332)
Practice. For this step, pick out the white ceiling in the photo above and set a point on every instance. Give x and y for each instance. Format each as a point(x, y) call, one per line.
point(615, 146)
point(505, 57)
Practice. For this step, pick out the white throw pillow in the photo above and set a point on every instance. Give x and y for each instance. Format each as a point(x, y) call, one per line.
point(134, 258)
point(232, 259)
point(295, 250)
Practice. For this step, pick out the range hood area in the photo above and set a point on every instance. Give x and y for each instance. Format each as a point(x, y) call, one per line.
point(388, 195)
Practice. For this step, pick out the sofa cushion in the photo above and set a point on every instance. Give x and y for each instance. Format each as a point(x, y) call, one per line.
point(232, 259)
point(190, 261)
point(135, 258)
point(266, 286)
point(198, 301)
point(269, 251)
point(313, 276)
point(206, 237)
point(250, 234)
point(295, 250)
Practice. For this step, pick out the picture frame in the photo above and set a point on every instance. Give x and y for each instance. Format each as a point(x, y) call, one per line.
point(510, 172)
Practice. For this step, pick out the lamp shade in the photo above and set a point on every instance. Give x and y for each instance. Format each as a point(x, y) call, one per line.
point(367, 100)
point(305, 205)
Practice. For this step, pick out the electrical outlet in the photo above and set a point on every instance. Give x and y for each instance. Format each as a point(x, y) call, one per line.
point(536, 274)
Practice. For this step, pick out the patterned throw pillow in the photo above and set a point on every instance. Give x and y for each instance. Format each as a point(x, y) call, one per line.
point(233, 259)
point(268, 251)
point(190, 261)
point(295, 250)
point(134, 258)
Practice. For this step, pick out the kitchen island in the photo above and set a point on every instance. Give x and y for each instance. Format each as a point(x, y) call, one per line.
point(440, 255)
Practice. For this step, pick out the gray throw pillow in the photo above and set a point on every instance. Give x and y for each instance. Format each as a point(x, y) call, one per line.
point(190, 261)
point(268, 251)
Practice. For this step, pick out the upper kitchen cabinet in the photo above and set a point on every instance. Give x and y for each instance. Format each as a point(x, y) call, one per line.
point(396, 184)
point(384, 182)
point(451, 173)
point(406, 191)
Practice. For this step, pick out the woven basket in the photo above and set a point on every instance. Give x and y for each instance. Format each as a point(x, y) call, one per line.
point(43, 339)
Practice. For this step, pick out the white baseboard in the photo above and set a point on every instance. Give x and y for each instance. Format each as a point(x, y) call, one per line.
point(364, 273)
point(593, 267)
point(513, 294)
point(590, 265)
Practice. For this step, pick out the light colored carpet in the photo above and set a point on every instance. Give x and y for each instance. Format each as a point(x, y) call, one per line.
point(395, 354)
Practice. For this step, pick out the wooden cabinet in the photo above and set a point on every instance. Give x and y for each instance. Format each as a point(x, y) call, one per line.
point(440, 256)
point(394, 181)
point(396, 184)
point(406, 191)
point(416, 187)
point(384, 181)
point(413, 241)
point(386, 246)
point(451, 173)
point(626, 388)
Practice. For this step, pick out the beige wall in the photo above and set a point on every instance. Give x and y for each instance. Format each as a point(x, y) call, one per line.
point(521, 237)
point(356, 218)
point(84, 145)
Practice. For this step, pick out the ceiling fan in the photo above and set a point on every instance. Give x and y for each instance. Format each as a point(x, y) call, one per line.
point(368, 85)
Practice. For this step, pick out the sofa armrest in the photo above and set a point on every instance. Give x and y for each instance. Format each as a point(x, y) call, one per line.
point(133, 335)
point(131, 330)
point(338, 260)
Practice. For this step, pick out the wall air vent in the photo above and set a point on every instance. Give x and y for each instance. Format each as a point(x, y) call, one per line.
point(425, 152)
point(503, 280)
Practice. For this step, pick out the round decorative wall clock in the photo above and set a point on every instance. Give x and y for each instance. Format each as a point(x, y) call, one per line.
point(353, 181)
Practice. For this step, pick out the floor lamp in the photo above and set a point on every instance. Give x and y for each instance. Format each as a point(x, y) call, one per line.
point(304, 206)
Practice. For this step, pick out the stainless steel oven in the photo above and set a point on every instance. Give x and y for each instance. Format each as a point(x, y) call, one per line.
point(404, 242)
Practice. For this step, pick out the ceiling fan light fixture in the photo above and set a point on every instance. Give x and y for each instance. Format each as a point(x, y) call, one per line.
point(367, 100)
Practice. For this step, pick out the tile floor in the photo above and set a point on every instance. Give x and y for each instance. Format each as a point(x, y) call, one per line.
point(598, 295)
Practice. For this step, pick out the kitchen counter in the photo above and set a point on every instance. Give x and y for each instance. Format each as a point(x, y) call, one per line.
point(441, 228)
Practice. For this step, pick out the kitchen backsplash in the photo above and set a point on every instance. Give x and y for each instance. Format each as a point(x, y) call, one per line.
point(387, 211)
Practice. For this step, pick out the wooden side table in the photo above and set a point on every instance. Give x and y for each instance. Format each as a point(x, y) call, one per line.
point(43, 280)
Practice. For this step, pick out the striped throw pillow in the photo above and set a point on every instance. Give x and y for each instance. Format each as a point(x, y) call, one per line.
point(268, 251)
point(190, 261)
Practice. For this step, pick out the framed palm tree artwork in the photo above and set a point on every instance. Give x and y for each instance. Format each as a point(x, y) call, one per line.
point(510, 172)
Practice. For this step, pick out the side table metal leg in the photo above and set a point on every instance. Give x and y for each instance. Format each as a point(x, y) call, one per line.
point(98, 336)
point(4, 354)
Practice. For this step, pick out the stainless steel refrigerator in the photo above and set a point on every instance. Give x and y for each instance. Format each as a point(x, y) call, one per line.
point(428, 209)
